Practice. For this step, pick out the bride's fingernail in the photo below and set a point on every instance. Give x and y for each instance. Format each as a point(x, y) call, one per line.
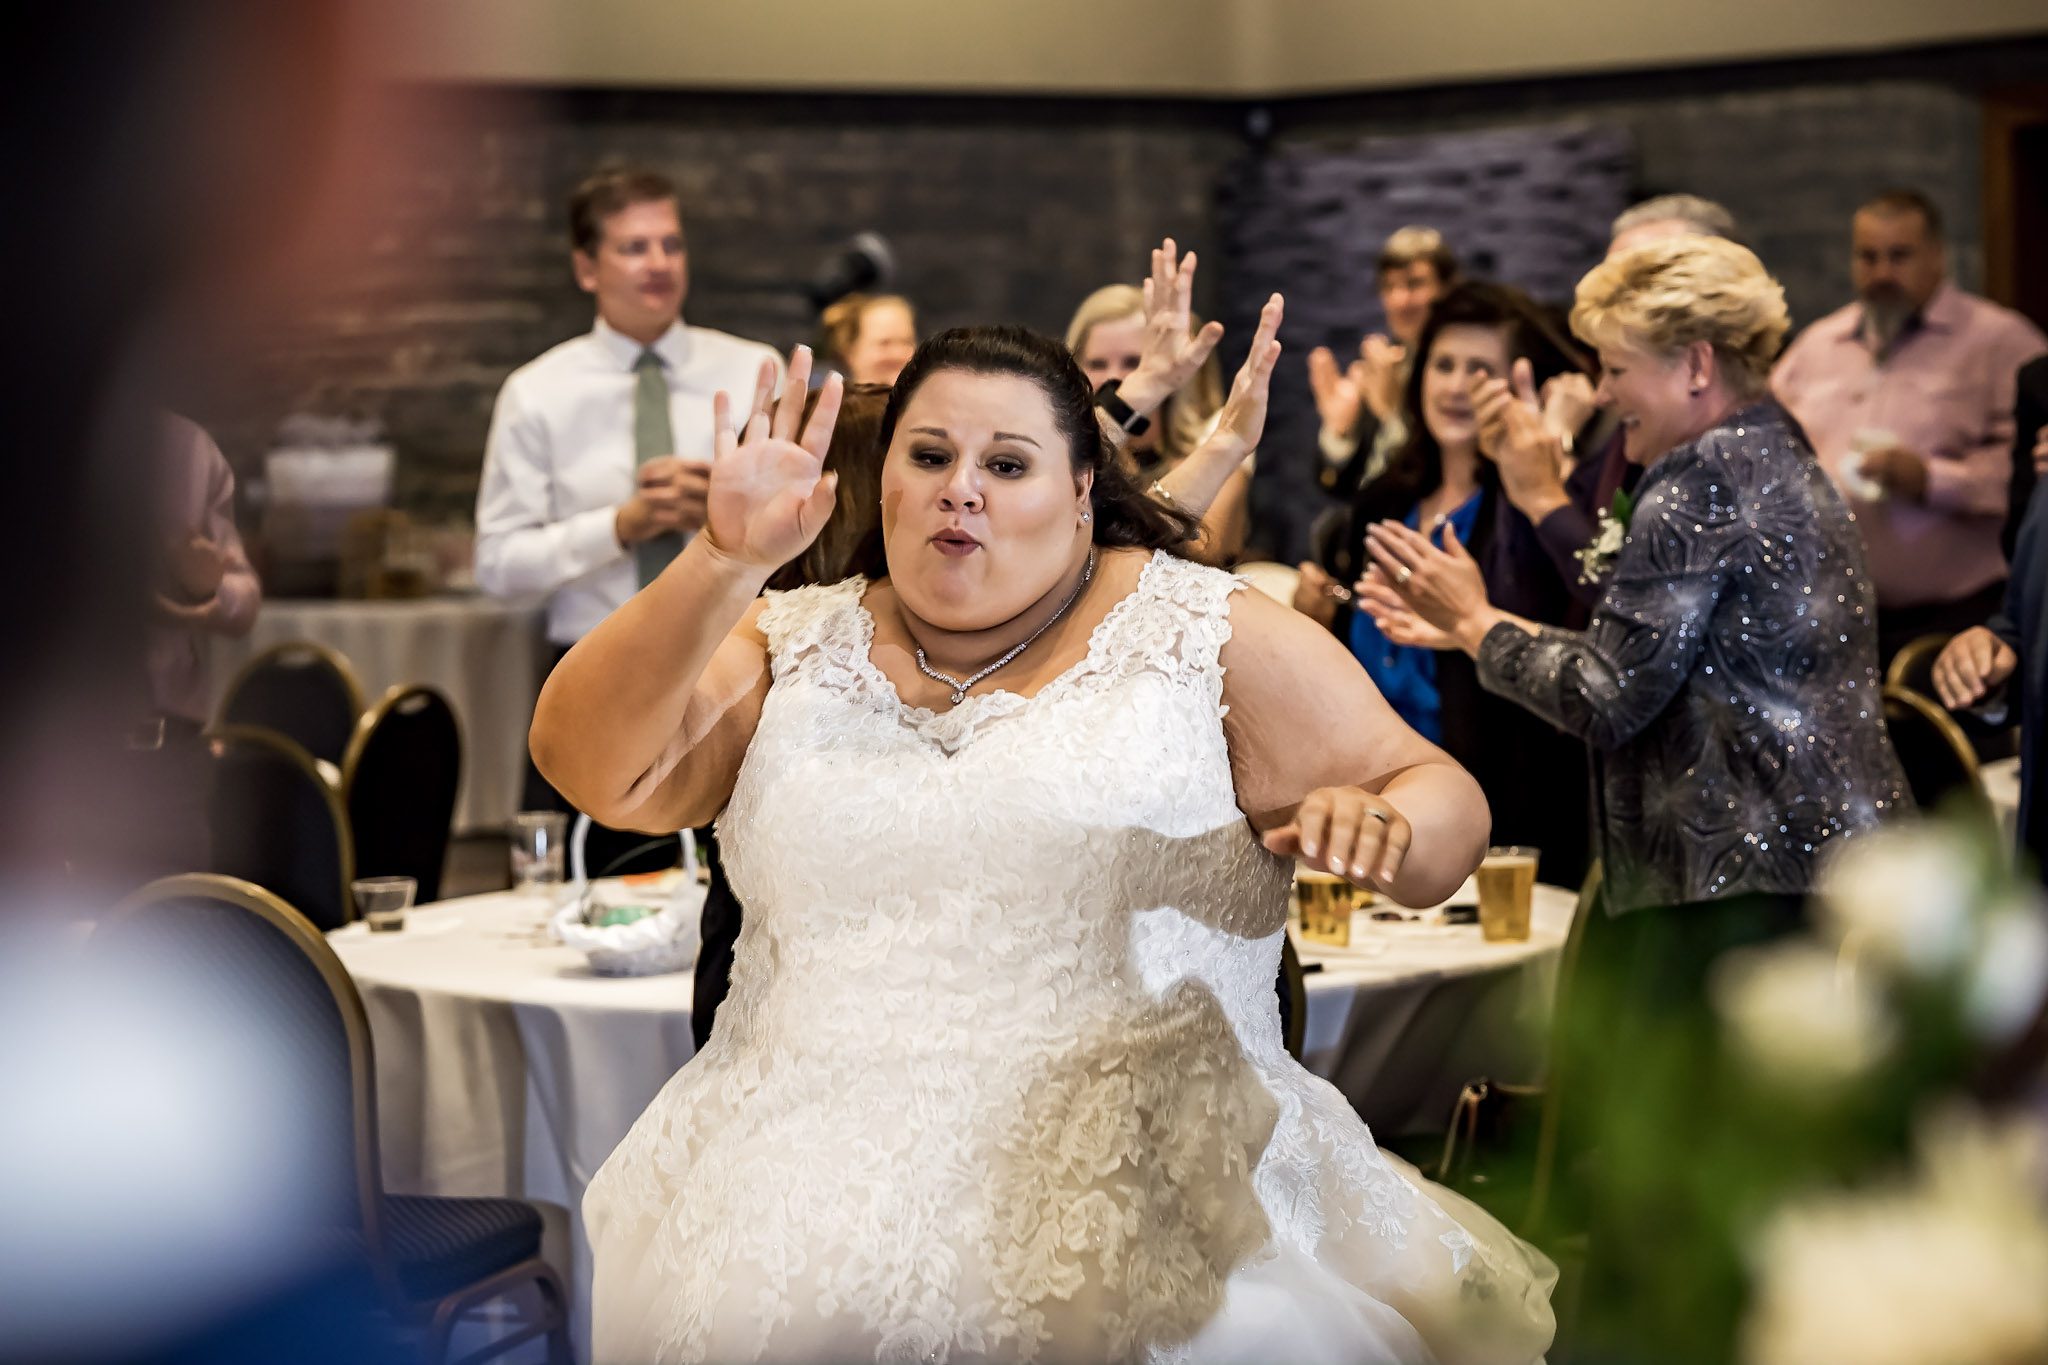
point(1308, 848)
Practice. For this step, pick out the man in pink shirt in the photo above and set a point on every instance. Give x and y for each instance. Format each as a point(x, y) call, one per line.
point(1907, 395)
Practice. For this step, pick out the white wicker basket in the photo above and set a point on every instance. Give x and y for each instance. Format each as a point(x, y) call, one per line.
point(666, 941)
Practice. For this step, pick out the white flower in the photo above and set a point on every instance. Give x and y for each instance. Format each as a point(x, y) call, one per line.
point(1949, 1270)
point(1609, 535)
point(1801, 1014)
point(2008, 976)
point(1903, 895)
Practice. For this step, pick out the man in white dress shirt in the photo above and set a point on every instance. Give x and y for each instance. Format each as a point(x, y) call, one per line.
point(599, 455)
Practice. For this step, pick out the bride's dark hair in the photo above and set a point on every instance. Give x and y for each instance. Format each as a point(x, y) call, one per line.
point(1125, 514)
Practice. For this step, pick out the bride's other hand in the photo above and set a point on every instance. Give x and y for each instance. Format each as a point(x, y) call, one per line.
point(1347, 831)
point(769, 494)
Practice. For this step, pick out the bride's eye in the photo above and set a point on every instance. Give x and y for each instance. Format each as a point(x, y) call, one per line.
point(930, 457)
point(1007, 466)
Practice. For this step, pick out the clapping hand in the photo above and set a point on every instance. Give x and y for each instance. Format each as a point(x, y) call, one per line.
point(1349, 831)
point(1380, 374)
point(769, 494)
point(1442, 585)
point(1172, 351)
point(1371, 381)
point(1396, 620)
point(1339, 394)
point(1568, 402)
point(1521, 435)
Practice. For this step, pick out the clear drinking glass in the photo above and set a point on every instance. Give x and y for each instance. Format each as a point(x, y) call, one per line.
point(383, 901)
point(539, 851)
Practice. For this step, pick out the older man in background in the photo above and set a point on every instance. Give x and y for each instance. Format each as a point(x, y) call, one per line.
point(1907, 395)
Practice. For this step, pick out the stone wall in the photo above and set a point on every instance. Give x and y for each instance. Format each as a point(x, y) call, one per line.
point(1012, 209)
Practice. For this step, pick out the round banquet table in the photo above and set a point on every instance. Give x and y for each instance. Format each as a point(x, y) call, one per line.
point(505, 1066)
point(486, 655)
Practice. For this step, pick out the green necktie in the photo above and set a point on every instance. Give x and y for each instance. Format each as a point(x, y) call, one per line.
point(652, 439)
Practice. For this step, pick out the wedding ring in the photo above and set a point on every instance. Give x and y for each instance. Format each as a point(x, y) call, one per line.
point(1403, 574)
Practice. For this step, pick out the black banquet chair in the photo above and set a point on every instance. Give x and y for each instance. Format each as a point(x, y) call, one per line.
point(303, 691)
point(399, 781)
point(239, 963)
point(277, 821)
point(1939, 763)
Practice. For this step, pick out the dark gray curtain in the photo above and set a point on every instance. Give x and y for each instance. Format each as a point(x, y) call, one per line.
point(1525, 206)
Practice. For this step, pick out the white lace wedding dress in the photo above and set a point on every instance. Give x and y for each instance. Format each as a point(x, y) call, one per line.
point(1001, 1075)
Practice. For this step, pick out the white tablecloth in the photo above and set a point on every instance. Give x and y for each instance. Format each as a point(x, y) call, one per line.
point(505, 1067)
point(2002, 783)
point(486, 655)
point(1401, 1019)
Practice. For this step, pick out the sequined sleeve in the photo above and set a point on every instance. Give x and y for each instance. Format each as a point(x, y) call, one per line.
point(1604, 684)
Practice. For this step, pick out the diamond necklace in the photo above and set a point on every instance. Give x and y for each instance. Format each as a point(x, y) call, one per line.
point(960, 686)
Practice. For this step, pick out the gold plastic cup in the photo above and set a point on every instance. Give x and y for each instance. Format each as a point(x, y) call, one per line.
point(1507, 886)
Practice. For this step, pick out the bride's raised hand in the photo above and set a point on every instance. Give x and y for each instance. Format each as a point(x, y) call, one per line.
point(769, 493)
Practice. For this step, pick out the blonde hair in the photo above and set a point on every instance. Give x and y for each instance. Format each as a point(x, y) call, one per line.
point(839, 325)
point(1664, 296)
point(1411, 244)
point(1185, 418)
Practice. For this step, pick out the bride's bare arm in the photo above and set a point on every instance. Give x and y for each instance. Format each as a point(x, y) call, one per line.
point(1324, 767)
point(646, 720)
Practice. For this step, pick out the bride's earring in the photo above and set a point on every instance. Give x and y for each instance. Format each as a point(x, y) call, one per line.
point(1087, 517)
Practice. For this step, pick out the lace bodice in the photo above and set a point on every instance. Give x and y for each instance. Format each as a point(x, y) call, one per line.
point(997, 1074)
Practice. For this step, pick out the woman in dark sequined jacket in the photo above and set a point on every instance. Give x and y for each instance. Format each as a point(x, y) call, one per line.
point(1728, 682)
point(1728, 686)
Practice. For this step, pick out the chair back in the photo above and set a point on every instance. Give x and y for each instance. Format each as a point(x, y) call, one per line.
point(1293, 988)
point(1558, 1081)
point(1913, 666)
point(399, 781)
point(1938, 760)
point(275, 821)
point(286, 1039)
point(304, 691)
point(1913, 669)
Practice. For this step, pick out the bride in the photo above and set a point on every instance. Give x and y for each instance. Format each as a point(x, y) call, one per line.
point(1013, 815)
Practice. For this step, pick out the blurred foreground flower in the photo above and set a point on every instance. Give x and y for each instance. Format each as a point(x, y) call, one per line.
point(2009, 970)
point(1904, 896)
point(1939, 908)
point(1800, 1014)
point(1948, 1269)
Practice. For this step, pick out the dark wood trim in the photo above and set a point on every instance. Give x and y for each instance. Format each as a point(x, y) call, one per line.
point(2008, 111)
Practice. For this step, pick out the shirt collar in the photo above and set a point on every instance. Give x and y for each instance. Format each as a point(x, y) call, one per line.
point(672, 346)
point(1944, 312)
